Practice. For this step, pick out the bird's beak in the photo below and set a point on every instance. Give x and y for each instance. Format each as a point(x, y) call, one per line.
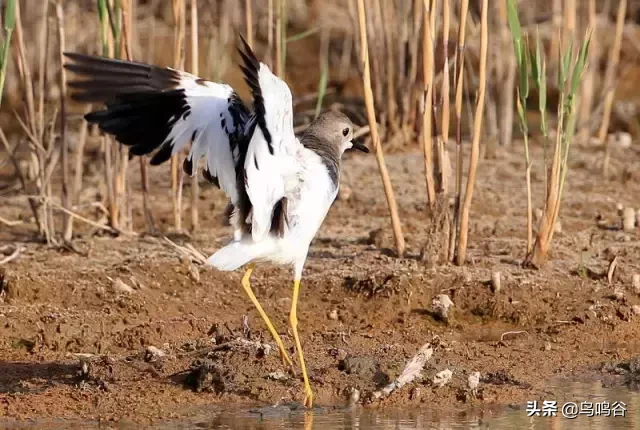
point(359, 147)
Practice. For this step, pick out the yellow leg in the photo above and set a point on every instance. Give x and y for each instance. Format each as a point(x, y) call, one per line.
point(246, 284)
point(293, 319)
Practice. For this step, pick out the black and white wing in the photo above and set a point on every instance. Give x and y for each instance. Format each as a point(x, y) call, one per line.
point(270, 165)
point(151, 108)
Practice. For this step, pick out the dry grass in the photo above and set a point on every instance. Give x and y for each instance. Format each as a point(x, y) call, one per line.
point(403, 79)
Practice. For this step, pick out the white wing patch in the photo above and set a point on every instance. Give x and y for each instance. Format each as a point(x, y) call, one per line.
point(211, 123)
point(267, 174)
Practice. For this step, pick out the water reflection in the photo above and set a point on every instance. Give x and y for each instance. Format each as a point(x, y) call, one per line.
point(296, 417)
point(513, 417)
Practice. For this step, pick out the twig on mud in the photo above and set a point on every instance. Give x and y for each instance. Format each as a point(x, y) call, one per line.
point(13, 256)
point(188, 251)
point(9, 223)
point(234, 344)
point(512, 332)
point(343, 335)
point(86, 220)
point(411, 371)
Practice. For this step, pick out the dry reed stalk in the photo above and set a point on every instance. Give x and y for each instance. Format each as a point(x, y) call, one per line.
point(195, 59)
point(477, 130)
point(368, 93)
point(446, 100)
point(21, 178)
point(42, 66)
point(248, 16)
point(390, 64)
point(556, 19)
point(106, 38)
point(588, 88)
point(508, 77)
point(118, 20)
point(64, 144)
point(412, 77)
point(427, 116)
point(569, 25)
point(610, 85)
point(376, 44)
point(38, 154)
point(436, 149)
point(280, 40)
point(459, 86)
point(179, 21)
point(26, 72)
point(269, 55)
point(79, 167)
point(127, 30)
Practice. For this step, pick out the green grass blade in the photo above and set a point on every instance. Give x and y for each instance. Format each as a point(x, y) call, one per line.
point(10, 15)
point(516, 30)
point(103, 16)
point(303, 35)
point(580, 65)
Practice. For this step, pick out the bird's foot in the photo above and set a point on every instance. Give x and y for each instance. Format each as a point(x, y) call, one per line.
point(308, 398)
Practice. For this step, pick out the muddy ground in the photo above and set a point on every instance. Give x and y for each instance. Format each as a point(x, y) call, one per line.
point(78, 332)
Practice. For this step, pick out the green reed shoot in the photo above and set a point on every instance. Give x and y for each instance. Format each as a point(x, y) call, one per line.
point(9, 24)
point(532, 67)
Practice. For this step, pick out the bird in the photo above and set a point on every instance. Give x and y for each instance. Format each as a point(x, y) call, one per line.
point(280, 186)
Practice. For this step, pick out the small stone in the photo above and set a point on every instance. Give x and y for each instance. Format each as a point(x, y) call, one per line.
point(354, 397)
point(120, 287)
point(636, 309)
point(538, 213)
point(618, 294)
point(558, 227)
point(415, 393)
point(441, 305)
point(153, 354)
point(623, 139)
point(474, 381)
point(628, 219)
point(635, 283)
point(333, 315)
point(194, 273)
point(375, 237)
point(277, 376)
point(442, 378)
point(547, 346)
point(341, 355)
point(496, 284)
point(345, 192)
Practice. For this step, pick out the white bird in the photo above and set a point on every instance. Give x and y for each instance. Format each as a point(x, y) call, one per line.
point(280, 186)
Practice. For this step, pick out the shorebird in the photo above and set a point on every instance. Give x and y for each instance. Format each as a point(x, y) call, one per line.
point(280, 186)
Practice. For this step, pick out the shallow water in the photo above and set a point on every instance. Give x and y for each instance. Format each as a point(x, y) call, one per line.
point(295, 417)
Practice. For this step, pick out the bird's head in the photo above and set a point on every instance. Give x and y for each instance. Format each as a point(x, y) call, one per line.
point(336, 129)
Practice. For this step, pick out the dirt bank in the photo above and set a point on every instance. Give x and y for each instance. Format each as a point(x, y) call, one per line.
point(363, 313)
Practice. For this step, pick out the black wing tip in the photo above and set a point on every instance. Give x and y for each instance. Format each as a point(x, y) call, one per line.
point(250, 69)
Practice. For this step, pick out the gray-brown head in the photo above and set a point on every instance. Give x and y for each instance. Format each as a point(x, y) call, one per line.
point(329, 136)
point(334, 129)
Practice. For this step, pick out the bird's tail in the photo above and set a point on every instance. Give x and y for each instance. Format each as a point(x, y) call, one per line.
point(238, 253)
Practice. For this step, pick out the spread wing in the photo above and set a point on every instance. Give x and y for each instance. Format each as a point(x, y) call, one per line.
point(151, 108)
point(271, 154)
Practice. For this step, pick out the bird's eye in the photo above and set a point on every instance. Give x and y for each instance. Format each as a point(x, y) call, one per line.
point(345, 132)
